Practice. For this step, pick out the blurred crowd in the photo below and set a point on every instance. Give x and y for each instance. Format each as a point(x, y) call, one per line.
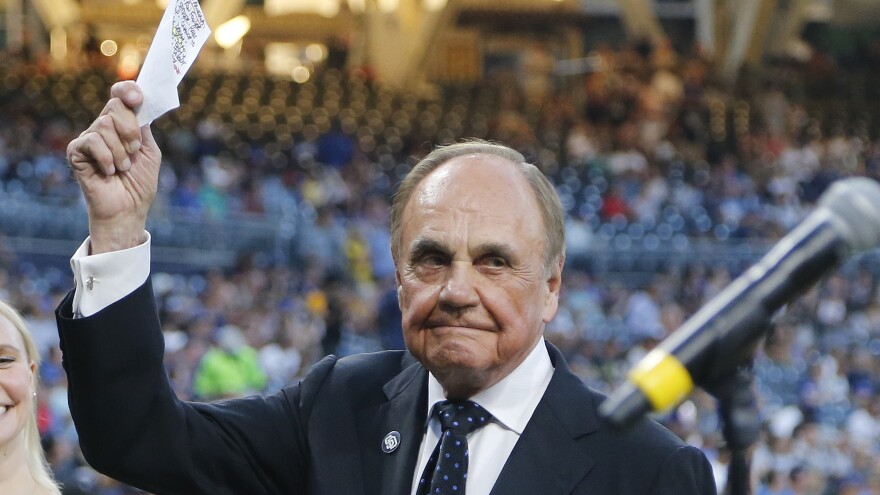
point(650, 154)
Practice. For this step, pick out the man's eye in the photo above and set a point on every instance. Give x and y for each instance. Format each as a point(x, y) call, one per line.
point(495, 262)
point(432, 260)
point(429, 259)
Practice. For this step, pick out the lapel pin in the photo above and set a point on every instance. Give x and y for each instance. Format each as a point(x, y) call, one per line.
point(391, 442)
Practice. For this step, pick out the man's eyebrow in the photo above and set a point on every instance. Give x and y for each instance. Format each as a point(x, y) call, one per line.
point(423, 245)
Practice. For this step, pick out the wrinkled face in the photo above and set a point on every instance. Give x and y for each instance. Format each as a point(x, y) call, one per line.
point(474, 292)
point(16, 385)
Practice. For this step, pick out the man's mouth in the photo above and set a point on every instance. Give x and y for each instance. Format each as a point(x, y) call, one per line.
point(444, 326)
point(455, 329)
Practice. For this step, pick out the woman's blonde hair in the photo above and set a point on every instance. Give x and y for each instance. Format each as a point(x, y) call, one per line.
point(36, 458)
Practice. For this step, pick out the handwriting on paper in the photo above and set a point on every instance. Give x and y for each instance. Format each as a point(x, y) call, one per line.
point(181, 34)
point(186, 27)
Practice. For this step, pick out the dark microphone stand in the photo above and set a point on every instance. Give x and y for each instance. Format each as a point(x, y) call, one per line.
point(741, 425)
point(738, 408)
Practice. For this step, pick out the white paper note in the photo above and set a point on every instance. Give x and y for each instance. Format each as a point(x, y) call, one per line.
point(182, 33)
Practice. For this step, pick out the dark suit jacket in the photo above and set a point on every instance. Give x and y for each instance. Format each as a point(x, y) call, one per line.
point(324, 434)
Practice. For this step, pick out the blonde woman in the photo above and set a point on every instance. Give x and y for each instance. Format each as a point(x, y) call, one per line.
point(23, 467)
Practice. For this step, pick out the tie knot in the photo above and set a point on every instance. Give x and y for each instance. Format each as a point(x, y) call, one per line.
point(462, 416)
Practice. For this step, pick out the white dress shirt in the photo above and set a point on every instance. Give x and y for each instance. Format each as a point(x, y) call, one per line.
point(103, 279)
point(511, 403)
point(106, 278)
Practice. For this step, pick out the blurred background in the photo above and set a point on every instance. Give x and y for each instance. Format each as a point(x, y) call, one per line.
point(684, 138)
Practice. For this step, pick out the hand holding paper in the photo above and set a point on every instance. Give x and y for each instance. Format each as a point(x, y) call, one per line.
point(116, 164)
point(181, 35)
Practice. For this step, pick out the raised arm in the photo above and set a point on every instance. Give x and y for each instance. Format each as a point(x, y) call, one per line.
point(130, 423)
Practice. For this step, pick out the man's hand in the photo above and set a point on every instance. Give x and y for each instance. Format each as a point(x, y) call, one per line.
point(117, 166)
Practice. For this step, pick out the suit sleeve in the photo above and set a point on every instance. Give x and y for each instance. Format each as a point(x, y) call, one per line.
point(133, 428)
point(685, 471)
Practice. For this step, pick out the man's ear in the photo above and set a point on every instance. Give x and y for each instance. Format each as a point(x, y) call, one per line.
point(399, 289)
point(554, 286)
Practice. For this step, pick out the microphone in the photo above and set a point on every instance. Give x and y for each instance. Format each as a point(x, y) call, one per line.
point(722, 335)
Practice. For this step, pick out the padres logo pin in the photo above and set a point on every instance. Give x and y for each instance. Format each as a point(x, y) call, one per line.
point(391, 442)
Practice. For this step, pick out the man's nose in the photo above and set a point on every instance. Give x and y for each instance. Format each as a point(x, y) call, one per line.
point(459, 290)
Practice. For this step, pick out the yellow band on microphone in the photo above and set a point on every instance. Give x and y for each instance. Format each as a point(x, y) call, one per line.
point(662, 378)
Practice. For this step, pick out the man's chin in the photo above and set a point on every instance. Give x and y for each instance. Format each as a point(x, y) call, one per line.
point(457, 357)
point(461, 376)
point(450, 367)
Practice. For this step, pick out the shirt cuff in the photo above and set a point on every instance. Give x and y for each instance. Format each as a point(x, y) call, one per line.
point(103, 279)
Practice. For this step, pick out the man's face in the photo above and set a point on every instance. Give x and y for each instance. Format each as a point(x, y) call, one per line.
point(473, 289)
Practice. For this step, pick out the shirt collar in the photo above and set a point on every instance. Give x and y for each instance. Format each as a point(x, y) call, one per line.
point(512, 400)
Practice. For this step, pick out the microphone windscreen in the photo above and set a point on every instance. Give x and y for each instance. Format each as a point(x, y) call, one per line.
point(854, 205)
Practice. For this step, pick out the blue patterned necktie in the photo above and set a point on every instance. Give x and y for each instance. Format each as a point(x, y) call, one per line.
point(446, 471)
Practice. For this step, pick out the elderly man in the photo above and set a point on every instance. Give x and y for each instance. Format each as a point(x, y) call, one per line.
point(480, 403)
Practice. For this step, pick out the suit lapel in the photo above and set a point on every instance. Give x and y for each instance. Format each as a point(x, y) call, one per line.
point(404, 411)
point(554, 441)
